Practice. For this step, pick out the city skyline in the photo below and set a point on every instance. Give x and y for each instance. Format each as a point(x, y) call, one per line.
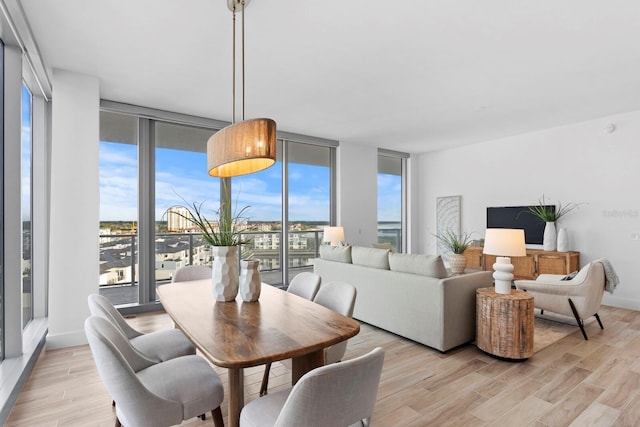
point(181, 177)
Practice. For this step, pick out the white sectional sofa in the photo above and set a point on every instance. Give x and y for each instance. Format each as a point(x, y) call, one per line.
point(410, 295)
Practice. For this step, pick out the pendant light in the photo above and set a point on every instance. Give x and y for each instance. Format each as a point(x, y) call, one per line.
point(249, 145)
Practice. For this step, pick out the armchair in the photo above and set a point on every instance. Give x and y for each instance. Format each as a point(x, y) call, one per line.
point(579, 297)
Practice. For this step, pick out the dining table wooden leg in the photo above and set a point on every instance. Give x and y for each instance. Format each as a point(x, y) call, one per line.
point(236, 395)
point(303, 364)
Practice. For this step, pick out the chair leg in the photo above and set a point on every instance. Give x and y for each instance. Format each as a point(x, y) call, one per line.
point(577, 316)
point(541, 311)
point(118, 424)
point(217, 417)
point(203, 417)
point(599, 321)
point(265, 380)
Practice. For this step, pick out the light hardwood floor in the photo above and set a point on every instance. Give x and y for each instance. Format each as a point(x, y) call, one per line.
point(573, 382)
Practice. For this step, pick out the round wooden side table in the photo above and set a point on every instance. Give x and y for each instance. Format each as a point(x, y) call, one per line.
point(505, 323)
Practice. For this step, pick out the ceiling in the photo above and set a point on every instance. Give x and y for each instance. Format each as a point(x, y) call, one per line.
point(412, 76)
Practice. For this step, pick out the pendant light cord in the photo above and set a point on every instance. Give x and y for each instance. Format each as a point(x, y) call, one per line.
point(233, 69)
point(233, 90)
point(243, 1)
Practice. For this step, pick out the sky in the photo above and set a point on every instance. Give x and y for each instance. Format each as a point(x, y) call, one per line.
point(181, 176)
point(25, 169)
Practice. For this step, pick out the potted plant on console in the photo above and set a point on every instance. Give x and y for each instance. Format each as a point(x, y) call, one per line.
point(456, 244)
point(550, 217)
point(225, 238)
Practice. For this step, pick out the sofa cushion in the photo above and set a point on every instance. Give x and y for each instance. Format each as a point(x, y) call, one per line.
point(424, 265)
point(370, 257)
point(336, 253)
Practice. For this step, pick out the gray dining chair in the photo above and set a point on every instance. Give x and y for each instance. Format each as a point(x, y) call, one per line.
point(160, 345)
point(147, 392)
point(341, 394)
point(191, 272)
point(305, 285)
point(339, 297)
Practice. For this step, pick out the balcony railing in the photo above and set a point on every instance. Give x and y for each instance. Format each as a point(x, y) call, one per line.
point(119, 253)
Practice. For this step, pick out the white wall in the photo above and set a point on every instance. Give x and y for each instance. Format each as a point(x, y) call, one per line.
point(74, 223)
point(357, 193)
point(578, 163)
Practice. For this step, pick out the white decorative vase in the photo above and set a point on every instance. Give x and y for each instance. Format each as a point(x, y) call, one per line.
point(224, 277)
point(563, 240)
point(549, 240)
point(250, 280)
point(457, 263)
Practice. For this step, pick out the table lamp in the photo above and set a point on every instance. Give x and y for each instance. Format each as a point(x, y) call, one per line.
point(333, 235)
point(505, 243)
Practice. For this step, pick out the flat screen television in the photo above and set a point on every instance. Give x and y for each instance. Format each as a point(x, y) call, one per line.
point(518, 217)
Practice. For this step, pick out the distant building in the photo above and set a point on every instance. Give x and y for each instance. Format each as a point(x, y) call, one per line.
point(176, 220)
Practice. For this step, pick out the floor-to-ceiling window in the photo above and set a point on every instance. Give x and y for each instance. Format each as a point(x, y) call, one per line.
point(118, 207)
point(181, 179)
point(25, 203)
point(2, 352)
point(159, 160)
point(309, 183)
point(391, 199)
point(261, 194)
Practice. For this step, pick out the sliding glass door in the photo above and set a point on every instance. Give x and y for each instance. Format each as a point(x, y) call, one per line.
point(181, 179)
point(154, 163)
point(26, 191)
point(391, 190)
point(118, 157)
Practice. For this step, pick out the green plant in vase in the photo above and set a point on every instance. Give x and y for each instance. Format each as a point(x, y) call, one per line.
point(224, 237)
point(550, 217)
point(457, 243)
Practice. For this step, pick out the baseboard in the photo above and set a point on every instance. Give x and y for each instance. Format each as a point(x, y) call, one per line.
point(621, 302)
point(68, 339)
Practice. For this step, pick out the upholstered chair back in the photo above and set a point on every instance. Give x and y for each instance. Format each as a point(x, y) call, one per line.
point(340, 394)
point(102, 307)
point(117, 362)
point(341, 298)
point(305, 285)
point(191, 272)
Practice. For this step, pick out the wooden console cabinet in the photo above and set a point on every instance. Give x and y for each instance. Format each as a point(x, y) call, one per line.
point(527, 267)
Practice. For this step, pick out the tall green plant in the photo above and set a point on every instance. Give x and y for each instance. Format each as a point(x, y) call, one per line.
point(456, 243)
point(545, 214)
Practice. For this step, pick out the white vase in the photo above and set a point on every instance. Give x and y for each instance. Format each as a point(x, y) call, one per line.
point(549, 239)
point(563, 240)
point(224, 277)
point(250, 283)
point(457, 263)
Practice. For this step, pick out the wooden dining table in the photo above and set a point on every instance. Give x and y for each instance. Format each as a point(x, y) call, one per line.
point(237, 335)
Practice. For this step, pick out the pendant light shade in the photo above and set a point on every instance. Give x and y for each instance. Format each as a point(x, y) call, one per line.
point(249, 145)
point(242, 148)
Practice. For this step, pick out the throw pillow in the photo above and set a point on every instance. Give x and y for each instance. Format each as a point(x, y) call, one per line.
point(424, 265)
point(336, 253)
point(382, 246)
point(570, 275)
point(370, 257)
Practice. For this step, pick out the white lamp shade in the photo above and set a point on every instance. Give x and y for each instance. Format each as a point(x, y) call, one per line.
point(333, 234)
point(504, 242)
